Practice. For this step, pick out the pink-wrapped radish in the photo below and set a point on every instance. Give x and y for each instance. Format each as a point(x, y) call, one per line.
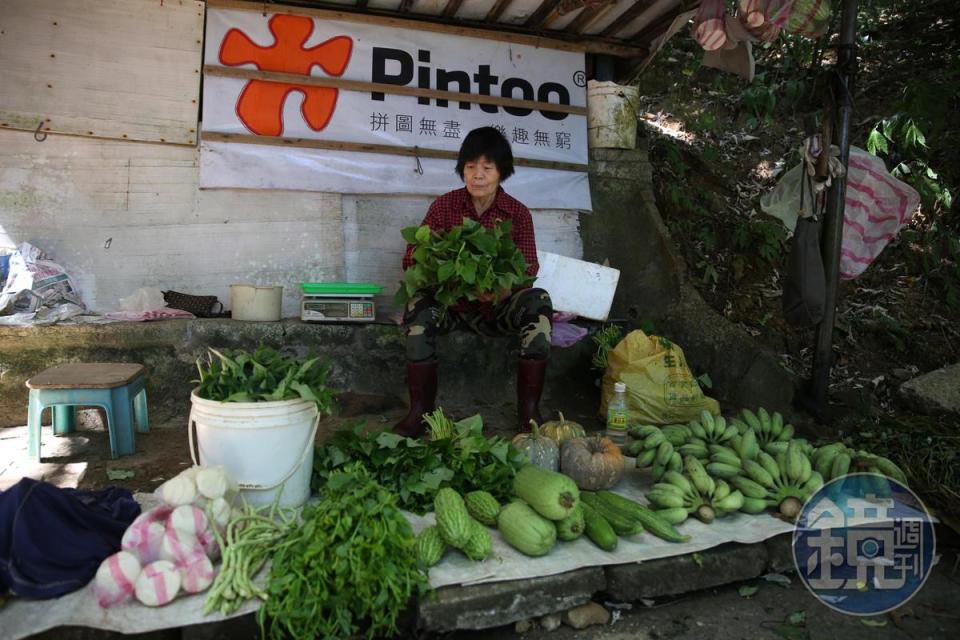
point(177, 546)
point(144, 537)
point(196, 573)
point(158, 583)
point(116, 579)
point(208, 541)
point(188, 520)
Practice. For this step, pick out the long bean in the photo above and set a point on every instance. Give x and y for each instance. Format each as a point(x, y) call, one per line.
point(248, 539)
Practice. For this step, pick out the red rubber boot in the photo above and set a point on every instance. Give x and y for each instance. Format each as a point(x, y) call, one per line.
point(422, 383)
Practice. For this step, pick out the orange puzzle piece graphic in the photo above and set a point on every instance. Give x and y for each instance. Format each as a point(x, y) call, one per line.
point(260, 106)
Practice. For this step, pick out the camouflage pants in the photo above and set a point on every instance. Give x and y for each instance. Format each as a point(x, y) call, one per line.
point(526, 313)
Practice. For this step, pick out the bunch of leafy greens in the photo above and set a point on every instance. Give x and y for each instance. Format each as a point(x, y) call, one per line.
point(348, 570)
point(463, 263)
point(416, 469)
point(263, 375)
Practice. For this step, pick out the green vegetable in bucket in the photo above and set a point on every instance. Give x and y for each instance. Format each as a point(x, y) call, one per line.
point(263, 375)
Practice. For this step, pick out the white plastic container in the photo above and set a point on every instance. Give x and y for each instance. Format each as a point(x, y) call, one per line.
point(266, 446)
point(259, 304)
point(611, 115)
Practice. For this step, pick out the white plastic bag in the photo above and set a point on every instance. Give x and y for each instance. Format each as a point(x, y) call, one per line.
point(143, 299)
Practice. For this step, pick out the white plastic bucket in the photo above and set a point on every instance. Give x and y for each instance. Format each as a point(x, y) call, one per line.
point(250, 302)
point(267, 447)
point(611, 115)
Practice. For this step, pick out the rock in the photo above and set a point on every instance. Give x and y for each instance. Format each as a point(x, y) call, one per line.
point(902, 374)
point(523, 626)
point(92, 418)
point(550, 622)
point(935, 392)
point(586, 615)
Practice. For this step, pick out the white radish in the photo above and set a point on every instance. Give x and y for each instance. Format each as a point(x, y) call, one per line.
point(178, 491)
point(158, 583)
point(212, 483)
point(116, 579)
point(219, 512)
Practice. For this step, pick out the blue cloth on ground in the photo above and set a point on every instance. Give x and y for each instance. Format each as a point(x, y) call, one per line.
point(52, 540)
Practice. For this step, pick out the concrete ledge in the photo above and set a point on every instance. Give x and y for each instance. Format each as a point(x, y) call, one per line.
point(474, 371)
point(491, 605)
point(682, 574)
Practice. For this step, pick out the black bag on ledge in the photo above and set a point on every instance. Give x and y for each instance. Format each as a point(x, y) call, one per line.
point(200, 306)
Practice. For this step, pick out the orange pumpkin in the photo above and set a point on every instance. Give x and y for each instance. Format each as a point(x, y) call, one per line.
point(594, 463)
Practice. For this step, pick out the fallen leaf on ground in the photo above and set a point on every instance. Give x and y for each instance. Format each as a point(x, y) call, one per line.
point(120, 474)
point(873, 623)
point(747, 590)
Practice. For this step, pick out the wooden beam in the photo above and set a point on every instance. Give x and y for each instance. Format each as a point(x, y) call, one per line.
point(540, 15)
point(452, 7)
point(496, 10)
point(417, 25)
point(627, 17)
point(413, 152)
point(394, 89)
point(586, 17)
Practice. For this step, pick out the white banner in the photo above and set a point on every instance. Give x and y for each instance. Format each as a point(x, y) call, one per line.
point(237, 39)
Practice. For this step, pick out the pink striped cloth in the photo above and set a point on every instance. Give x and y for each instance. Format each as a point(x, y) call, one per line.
point(877, 207)
point(709, 25)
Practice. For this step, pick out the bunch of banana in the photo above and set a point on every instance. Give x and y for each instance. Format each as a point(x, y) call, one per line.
point(768, 428)
point(652, 449)
point(678, 495)
point(712, 430)
point(677, 434)
point(784, 481)
point(727, 462)
point(837, 460)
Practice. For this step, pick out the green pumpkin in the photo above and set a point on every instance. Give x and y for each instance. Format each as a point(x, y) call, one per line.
point(539, 449)
point(562, 430)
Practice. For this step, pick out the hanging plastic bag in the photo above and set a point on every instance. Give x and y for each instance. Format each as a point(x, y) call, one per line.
point(809, 18)
point(709, 25)
point(661, 388)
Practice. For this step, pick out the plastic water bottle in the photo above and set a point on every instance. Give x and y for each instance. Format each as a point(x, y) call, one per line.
point(617, 415)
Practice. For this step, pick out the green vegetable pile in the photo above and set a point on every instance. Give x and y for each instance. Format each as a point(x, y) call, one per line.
point(348, 570)
point(416, 469)
point(263, 375)
point(463, 263)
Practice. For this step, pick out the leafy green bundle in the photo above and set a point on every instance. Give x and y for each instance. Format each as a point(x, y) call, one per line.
point(416, 469)
point(463, 263)
point(263, 375)
point(348, 570)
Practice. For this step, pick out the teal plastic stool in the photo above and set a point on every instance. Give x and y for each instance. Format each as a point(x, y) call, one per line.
point(117, 387)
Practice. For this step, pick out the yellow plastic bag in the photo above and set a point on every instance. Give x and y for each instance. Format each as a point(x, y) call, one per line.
point(660, 387)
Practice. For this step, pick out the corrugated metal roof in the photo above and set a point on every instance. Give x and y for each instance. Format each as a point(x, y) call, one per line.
point(624, 28)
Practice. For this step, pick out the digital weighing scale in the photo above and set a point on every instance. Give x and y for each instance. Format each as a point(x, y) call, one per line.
point(338, 301)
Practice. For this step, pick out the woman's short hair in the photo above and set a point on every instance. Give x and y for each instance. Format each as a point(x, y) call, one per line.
point(489, 142)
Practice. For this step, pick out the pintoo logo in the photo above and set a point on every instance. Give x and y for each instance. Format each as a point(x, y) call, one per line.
point(260, 105)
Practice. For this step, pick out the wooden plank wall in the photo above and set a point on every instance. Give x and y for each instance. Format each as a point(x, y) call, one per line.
point(126, 69)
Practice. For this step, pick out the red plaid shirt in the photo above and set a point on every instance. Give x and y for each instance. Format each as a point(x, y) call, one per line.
point(450, 209)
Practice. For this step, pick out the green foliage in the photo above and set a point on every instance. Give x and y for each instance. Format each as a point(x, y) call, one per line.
point(759, 100)
point(416, 469)
point(349, 570)
point(263, 375)
point(762, 239)
point(463, 263)
point(606, 339)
